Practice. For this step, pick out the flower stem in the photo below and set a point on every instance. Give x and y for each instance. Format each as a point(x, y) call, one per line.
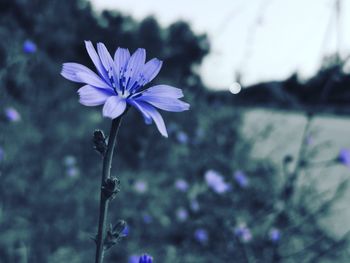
point(104, 201)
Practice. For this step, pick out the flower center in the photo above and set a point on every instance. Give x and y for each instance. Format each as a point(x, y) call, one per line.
point(124, 94)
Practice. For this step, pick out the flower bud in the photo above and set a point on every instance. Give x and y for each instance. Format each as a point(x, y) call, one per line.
point(110, 187)
point(99, 140)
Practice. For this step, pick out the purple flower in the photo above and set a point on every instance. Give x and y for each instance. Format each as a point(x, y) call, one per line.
point(216, 182)
point(274, 235)
point(344, 157)
point(141, 186)
point(147, 219)
point(243, 233)
point(181, 185)
point(182, 137)
point(194, 205)
point(72, 171)
point(2, 154)
point(12, 114)
point(125, 231)
point(69, 160)
point(145, 259)
point(201, 235)
point(241, 179)
point(133, 259)
point(29, 47)
point(181, 214)
point(120, 83)
point(309, 140)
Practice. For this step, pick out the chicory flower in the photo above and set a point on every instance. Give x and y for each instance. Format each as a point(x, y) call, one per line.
point(274, 234)
point(145, 259)
point(120, 83)
point(181, 185)
point(241, 179)
point(201, 235)
point(344, 156)
point(216, 181)
point(12, 114)
point(29, 47)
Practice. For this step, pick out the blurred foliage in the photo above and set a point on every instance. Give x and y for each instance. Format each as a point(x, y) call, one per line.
point(50, 175)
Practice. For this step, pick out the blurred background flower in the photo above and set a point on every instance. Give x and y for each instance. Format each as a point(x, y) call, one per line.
point(274, 235)
point(141, 186)
point(243, 153)
point(216, 182)
point(241, 179)
point(181, 185)
point(243, 233)
point(181, 214)
point(29, 47)
point(12, 114)
point(201, 235)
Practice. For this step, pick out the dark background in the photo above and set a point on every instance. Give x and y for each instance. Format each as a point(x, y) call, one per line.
point(50, 174)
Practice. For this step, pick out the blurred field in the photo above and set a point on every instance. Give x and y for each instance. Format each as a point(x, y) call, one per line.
point(287, 127)
point(227, 186)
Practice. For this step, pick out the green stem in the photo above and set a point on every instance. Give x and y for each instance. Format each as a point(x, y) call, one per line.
point(104, 201)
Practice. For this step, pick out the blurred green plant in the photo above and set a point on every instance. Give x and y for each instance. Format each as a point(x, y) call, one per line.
point(48, 193)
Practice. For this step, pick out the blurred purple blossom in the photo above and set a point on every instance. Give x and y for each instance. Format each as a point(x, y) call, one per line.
point(133, 259)
point(12, 114)
point(201, 235)
point(241, 178)
point(182, 137)
point(69, 160)
point(194, 205)
point(274, 234)
point(181, 185)
point(29, 47)
point(145, 259)
point(2, 154)
point(72, 171)
point(147, 219)
point(126, 231)
point(141, 186)
point(344, 156)
point(309, 140)
point(243, 233)
point(216, 182)
point(181, 214)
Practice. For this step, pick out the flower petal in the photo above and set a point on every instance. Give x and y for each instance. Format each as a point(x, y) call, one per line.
point(146, 116)
point(164, 103)
point(70, 70)
point(164, 91)
point(135, 65)
point(91, 96)
point(96, 60)
point(108, 64)
point(121, 59)
point(105, 57)
point(114, 107)
point(155, 115)
point(150, 71)
point(93, 80)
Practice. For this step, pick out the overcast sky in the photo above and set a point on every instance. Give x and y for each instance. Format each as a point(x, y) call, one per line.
point(261, 39)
